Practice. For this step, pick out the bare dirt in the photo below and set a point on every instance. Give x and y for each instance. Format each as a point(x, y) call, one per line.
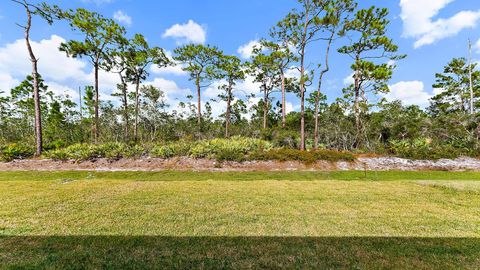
point(189, 164)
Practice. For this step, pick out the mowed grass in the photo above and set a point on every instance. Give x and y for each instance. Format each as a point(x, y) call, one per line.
point(192, 220)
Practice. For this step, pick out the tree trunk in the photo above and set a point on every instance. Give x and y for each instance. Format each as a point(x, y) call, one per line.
point(228, 114)
point(317, 128)
point(199, 102)
point(137, 107)
point(36, 88)
point(302, 83)
point(472, 107)
point(284, 103)
point(319, 90)
point(356, 105)
point(265, 107)
point(97, 103)
point(125, 108)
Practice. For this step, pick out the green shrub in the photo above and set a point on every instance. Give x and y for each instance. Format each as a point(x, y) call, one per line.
point(177, 149)
point(78, 152)
point(16, 151)
point(230, 155)
point(117, 151)
point(84, 152)
point(308, 157)
point(286, 139)
point(60, 154)
point(424, 149)
point(135, 151)
point(241, 145)
point(54, 145)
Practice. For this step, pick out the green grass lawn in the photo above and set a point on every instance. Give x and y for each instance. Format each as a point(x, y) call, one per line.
point(179, 220)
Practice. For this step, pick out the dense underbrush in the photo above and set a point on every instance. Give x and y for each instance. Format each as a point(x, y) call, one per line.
point(234, 149)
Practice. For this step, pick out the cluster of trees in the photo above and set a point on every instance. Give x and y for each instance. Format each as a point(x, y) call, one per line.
point(355, 122)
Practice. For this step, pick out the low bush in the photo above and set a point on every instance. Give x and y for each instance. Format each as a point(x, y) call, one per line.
point(286, 138)
point(225, 147)
point(54, 145)
point(424, 149)
point(309, 157)
point(84, 152)
point(16, 151)
point(78, 152)
point(176, 149)
point(119, 150)
point(230, 155)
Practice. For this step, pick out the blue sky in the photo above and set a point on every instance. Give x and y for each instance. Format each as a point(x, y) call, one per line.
point(430, 32)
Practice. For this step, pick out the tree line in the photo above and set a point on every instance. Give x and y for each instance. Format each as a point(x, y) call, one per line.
point(356, 121)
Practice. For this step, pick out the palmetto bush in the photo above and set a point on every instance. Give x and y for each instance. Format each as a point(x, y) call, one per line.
point(238, 145)
point(422, 148)
point(176, 149)
point(83, 152)
point(224, 149)
point(15, 151)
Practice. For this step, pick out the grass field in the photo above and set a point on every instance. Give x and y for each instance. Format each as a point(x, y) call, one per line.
point(299, 220)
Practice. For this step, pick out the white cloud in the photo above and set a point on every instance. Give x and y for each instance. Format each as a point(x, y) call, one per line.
point(122, 17)
point(170, 88)
point(7, 82)
point(53, 64)
point(242, 88)
point(62, 90)
point(289, 107)
point(64, 75)
point(173, 70)
point(292, 72)
point(409, 92)
point(417, 16)
point(246, 50)
point(191, 32)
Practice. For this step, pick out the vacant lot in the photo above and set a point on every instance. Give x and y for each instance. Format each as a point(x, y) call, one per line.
point(64, 220)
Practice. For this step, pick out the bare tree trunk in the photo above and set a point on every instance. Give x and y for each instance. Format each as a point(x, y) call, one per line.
point(319, 91)
point(302, 83)
point(36, 88)
point(199, 102)
point(265, 107)
point(284, 102)
point(472, 109)
point(317, 128)
point(97, 103)
point(356, 105)
point(137, 107)
point(125, 108)
point(228, 112)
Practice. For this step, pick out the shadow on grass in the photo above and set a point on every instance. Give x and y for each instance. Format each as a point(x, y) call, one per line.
point(122, 252)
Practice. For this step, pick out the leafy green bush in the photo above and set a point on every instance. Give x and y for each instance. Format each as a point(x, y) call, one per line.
point(308, 157)
point(83, 152)
point(424, 149)
point(78, 152)
point(54, 145)
point(241, 145)
point(286, 139)
point(230, 155)
point(118, 151)
point(16, 151)
point(177, 149)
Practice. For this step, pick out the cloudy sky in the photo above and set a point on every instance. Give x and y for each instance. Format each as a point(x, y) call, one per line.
point(430, 32)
